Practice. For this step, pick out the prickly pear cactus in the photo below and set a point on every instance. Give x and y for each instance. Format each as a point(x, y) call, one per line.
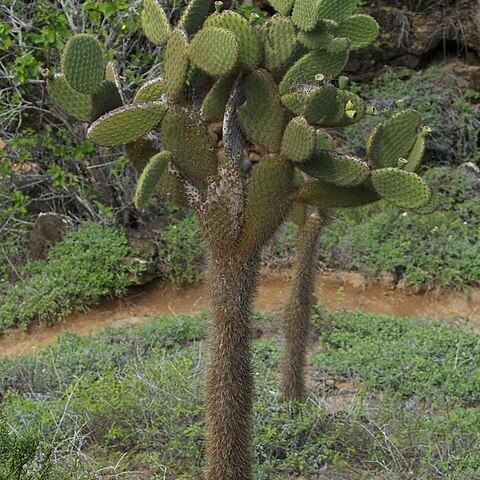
point(276, 87)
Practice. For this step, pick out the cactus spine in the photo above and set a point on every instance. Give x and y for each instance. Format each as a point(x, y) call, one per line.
point(258, 75)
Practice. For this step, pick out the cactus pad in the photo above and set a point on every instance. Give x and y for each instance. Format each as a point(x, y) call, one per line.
point(150, 178)
point(73, 103)
point(262, 116)
point(295, 102)
point(213, 107)
point(432, 205)
point(140, 151)
point(309, 66)
point(322, 106)
point(192, 147)
point(171, 189)
point(215, 51)
point(298, 140)
point(417, 153)
point(154, 22)
point(393, 139)
point(305, 14)
point(194, 15)
point(336, 10)
point(341, 170)
point(298, 213)
point(319, 37)
point(176, 64)
point(249, 44)
point(279, 42)
point(152, 91)
point(361, 30)
point(83, 64)
point(326, 195)
point(403, 189)
point(267, 201)
point(108, 97)
point(126, 124)
point(283, 7)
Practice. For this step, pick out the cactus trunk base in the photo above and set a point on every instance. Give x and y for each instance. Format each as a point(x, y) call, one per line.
point(298, 311)
point(229, 382)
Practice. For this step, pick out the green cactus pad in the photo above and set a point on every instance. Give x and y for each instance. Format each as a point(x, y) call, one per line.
point(417, 153)
point(213, 107)
point(298, 140)
point(126, 124)
point(192, 148)
point(323, 141)
point(176, 64)
point(171, 189)
point(338, 45)
point(150, 177)
point(280, 42)
point(322, 106)
point(295, 102)
point(283, 7)
point(319, 37)
point(403, 189)
point(326, 195)
point(83, 64)
point(341, 170)
point(152, 91)
point(432, 205)
point(140, 151)
point(262, 116)
point(267, 201)
point(361, 30)
point(154, 22)
point(305, 14)
point(357, 111)
point(305, 70)
point(108, 97)
point(215, 51)
point(250, 49)
point(194, 15)
point(73, 103)
point(393, 139)
point(336, 10)
point(298, 213)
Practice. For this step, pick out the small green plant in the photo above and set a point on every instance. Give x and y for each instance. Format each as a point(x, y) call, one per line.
point(88, 265)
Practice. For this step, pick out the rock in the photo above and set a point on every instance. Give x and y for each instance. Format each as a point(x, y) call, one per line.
point(49, 229)
point(470, 171)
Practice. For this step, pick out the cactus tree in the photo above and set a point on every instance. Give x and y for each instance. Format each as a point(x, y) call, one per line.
point(271, 85)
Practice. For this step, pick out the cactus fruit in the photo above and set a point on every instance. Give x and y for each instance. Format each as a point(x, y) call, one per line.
point(126, 124)
point(403, 189)
point(262, 115)
point(340, 170)
point(249, 44)
point(280, 41)
point(298, 141)
point(73, 103)
point(83, 64)
point(152, 91)
point(150, 177)
point(215, 51)
point(283, 7)
point(154, 22)
point(176, 64)
point(393, 139)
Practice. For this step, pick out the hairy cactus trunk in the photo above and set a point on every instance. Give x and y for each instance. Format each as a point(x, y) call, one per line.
point(229, 383)
point(298, 311)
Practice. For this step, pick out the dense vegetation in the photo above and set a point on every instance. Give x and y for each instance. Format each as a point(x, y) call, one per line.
point(401, 400)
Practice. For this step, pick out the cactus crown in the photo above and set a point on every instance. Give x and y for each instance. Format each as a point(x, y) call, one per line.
point(274, 85)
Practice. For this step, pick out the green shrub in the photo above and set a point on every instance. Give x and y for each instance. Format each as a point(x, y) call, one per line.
point(181, 251)
point(424, 360)
point(88, 265)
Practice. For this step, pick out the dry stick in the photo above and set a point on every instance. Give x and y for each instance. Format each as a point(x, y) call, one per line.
point(299, 309)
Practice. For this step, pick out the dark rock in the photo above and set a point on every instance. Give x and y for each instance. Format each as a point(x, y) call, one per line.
point(49, 229)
